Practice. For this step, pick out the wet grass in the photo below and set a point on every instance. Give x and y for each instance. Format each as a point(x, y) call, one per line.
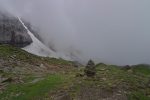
point(32, 91)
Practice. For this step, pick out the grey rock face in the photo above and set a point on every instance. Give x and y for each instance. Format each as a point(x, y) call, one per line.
point(33, 30)
point(12, 31)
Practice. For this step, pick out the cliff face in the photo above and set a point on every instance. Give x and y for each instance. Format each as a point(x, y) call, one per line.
point(12, 31)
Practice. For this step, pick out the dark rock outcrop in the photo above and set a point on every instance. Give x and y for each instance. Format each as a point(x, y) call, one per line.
point(33, 29)
point(90, 69)
point(12, 31)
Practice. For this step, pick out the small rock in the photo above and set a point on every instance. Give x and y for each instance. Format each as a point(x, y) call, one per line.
point(63, 96)
point(36, 80)
point(42, 66)
point(130, 71)
point(79, 75)
point(104, 79)
point(127, 67)
point(103, 69)
point(7, 80)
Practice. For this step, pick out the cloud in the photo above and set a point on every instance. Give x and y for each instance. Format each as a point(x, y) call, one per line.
point(115, 32)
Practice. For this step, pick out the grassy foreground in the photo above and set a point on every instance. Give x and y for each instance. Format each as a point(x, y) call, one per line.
point(24, 76)
point(30, 90)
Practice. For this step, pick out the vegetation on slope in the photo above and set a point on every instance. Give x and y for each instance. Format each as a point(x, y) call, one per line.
point(37, 78)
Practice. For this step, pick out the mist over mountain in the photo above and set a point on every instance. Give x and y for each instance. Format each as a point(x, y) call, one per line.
point(115, 32)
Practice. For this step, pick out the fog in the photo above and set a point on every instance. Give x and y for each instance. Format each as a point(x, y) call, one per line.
point(109, 31)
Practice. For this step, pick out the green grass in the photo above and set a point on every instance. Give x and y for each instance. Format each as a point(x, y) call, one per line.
point(59, 61)
point(32, 91)
point(137, 95)
point(133, 81)
point(110, 77)
point(7, 51)
point(142, 68)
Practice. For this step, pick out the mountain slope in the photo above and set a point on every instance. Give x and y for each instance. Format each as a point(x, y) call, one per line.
point(24, 76)
point(14, 31)
point(37, 47)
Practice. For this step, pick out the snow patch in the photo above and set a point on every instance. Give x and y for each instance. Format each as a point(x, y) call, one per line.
point(37, 47)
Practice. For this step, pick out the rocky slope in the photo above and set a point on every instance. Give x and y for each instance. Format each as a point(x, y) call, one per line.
point(24, 76)
point(12, 31)
point(15, 32)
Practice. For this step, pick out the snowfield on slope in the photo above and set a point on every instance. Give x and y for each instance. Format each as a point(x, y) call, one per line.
point(37, 47)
